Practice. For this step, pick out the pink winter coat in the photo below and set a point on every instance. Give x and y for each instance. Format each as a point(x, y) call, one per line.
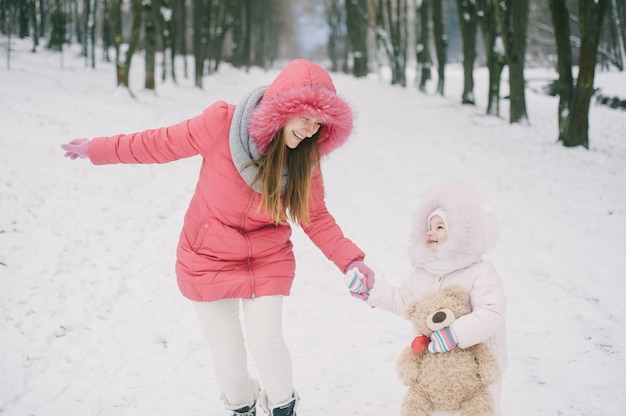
point(228, 248)
point(472, 231)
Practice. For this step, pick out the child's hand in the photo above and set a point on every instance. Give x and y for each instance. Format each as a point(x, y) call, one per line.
point(356, 281)
point(360, 279)
point(442, 340)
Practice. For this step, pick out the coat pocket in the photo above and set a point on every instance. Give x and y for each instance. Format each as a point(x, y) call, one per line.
point(200, 236)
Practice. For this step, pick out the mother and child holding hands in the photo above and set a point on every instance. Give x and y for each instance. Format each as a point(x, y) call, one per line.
point(260, 172)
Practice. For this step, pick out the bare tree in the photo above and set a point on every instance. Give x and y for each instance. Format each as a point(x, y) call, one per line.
point(340, 23)
point(222, 20)
point(618, 18)
point(441, 43)
point(34, 14)
point(166, 17)
point(494, 51)
point(107, 30)
point(88, 32)
point(241, 34)
point(613, 38)
point(560, 20)
point(179, 34)
point(357, 37)
point(576, 131)
point(272, 28)
point(58, 21)
point(149, 10)
point(468, 23)
point(261, 35)
point(512, 18)
point(123, 60)
point(422, 47)
point(200, 37)
point(391, 33)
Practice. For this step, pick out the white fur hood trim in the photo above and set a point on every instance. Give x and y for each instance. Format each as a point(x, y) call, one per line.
point(473, 228)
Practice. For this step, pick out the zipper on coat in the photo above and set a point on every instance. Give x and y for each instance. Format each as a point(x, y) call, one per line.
point(241, 230)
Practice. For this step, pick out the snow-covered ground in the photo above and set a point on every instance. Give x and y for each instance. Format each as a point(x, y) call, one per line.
point(91, 320)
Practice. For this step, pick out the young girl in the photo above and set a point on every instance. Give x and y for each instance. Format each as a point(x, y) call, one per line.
point(452, 230)
point(260, 167)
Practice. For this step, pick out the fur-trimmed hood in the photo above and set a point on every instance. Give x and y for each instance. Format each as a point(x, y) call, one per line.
point(472, 228)
point(302, 89)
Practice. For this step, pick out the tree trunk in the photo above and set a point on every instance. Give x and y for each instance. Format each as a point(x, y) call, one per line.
point(240, 34)
point(485, 12)
point(84, 28)
point(165, 17)
point(43, 9)
point(591, 16)
point(91, 33)
point(200, 38)
point(35, 25)
point(219, 26)
point(357, 36)
point(149, 31)
point(58, 21)
point(441, 43)
point(23, 16)
point(107, 31)
point(467, 23)
point(135, 29)
point(513, 19)
point(179, 40)
point(397, 18)
point(619, 19)
point(560, 20)
point(116, 23)
point(422, 48)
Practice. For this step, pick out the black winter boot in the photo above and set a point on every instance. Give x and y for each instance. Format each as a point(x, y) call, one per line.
point(286, 409)
point(246, 411)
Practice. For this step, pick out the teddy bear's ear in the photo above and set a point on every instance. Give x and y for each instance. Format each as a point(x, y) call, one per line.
point(458, 299)
point(410, 309)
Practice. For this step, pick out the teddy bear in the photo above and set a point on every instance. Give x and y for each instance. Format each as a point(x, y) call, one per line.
point(451, 381)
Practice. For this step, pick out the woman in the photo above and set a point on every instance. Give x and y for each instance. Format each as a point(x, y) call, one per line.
point(260, 168)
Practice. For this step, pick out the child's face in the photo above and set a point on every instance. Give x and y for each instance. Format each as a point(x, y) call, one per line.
point(300, 128)
point(437, 232)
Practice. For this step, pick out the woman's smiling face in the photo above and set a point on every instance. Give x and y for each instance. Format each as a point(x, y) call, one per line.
point(300, 128)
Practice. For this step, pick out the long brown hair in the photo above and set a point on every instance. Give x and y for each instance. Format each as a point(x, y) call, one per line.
point(299, 163)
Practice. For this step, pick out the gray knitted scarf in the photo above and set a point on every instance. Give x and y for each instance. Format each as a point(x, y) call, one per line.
point(242, 147)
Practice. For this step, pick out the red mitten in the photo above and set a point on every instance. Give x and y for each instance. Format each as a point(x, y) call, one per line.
point(419, 344)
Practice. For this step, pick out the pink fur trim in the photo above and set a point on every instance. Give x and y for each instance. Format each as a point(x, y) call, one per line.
point(303, 101)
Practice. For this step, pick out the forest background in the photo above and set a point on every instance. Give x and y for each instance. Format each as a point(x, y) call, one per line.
point(354, 36)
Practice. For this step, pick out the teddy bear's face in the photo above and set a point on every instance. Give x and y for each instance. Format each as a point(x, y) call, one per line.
point(438, 310)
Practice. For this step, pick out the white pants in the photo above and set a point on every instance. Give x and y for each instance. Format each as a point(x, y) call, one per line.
point(262, 320)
